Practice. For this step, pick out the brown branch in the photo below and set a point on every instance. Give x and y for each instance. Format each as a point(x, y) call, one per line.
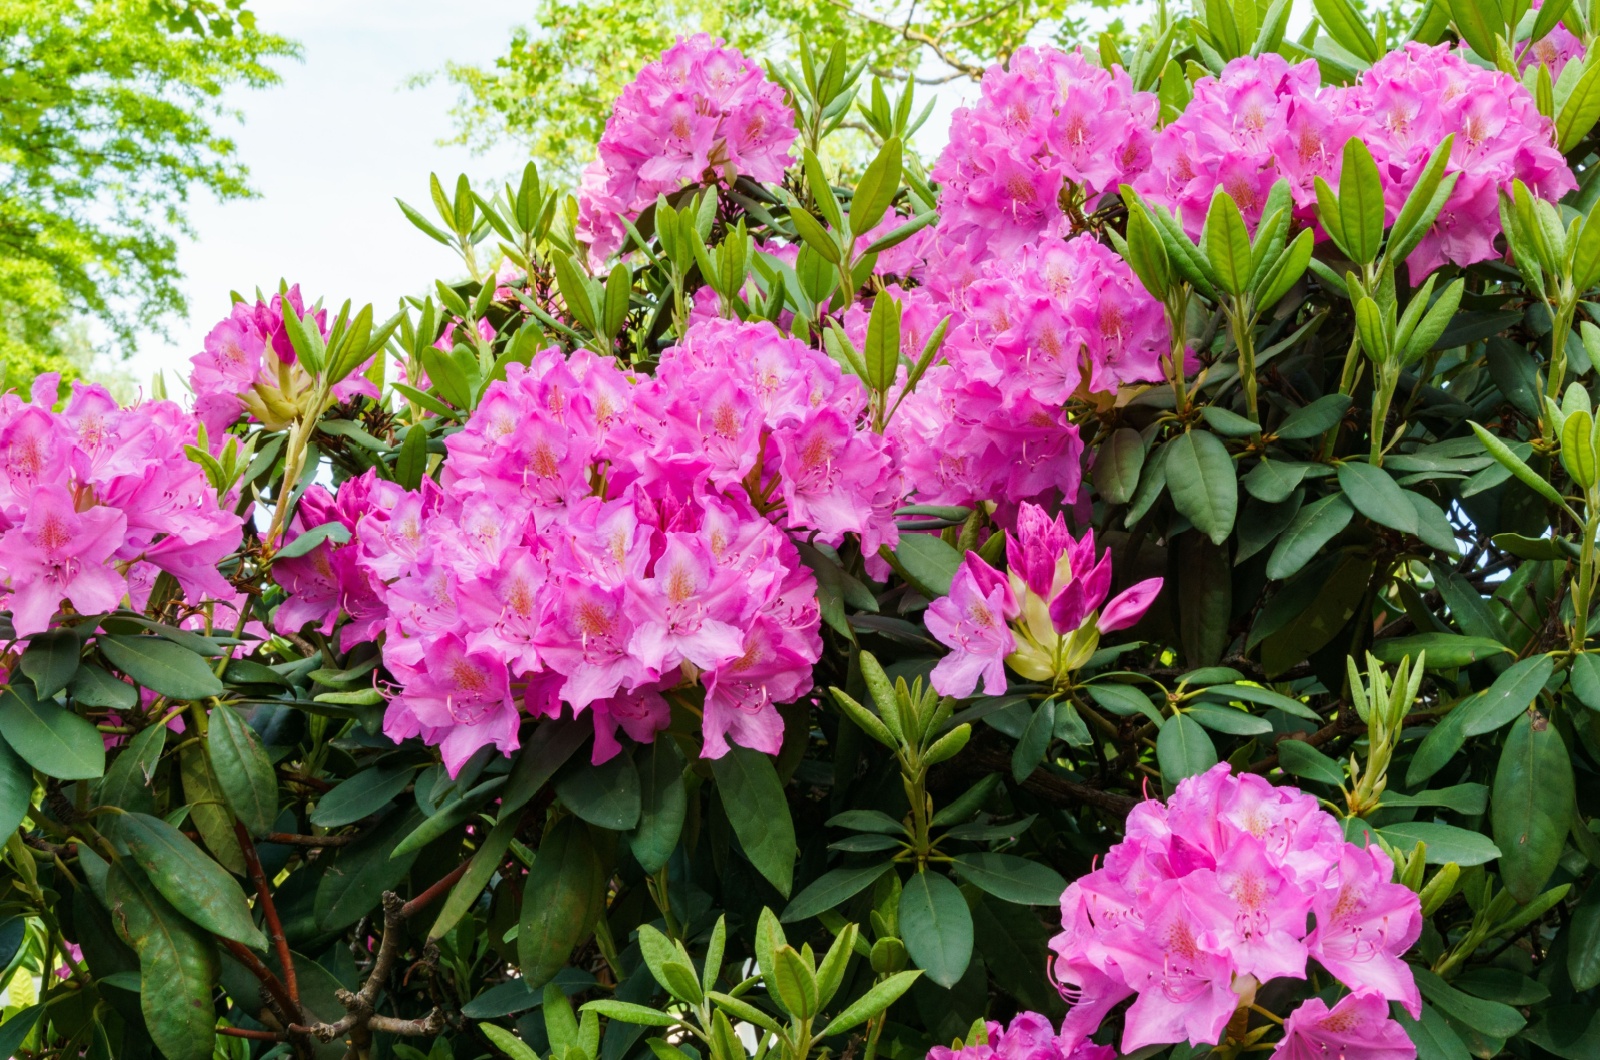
point(426, 898)
point(287, 1009)
point(1051, 786)
point(269, 910)
point(258, 1036)
point(916, 36)
point(293, 840)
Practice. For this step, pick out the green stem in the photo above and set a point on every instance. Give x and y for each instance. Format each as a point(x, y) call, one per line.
point(1242, 324)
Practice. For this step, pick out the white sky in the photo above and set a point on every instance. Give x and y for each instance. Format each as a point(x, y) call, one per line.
point(329, 150)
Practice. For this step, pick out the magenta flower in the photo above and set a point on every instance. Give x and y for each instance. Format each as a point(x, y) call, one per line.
point(60, 553)
point(971, 620)
point(1364, 924)
point(1357, 1028)
point(462, 700)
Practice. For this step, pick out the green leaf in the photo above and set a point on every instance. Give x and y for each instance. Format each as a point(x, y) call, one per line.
point(447, 817)
point(1117, 465)
point(355, 879)
point(177, 965)
point(243, 770)
point(1227, 244)
point(1303, 760)
point(1437, 748)
point(1531, 805)
point(874, 1001)
point(1224, 421)
point(1361, 205)
point(1010, 878)
point(507, 1042)
point(607, 795)
point(1034, 741)
point(831, 890)
point(1312, 528)
point(564, 895)
point(1201, 478)
point(1445, 842)
point(1265, 697)
point(94, 687)
point(1229, 720)
point(1183, 749)
point(14, 1031)
point(1344, 24)
point(486, 861)
point(1271, 481)
point(361, 795)
point(1511, 694)
point(1474, 22)
point(881, 354)
point(876, 189)
point(50, 660)
point(161, 666)
point(815, 236)
point(1513, 463)
point(626, 1012)
point(411, 463)
point(1585, 678)
point(663, 804)
point(1583, 940)
point(1468, 799)
point(326, 533)
point(16, 789)
point(1315, 419)
point(1487, 1017)
point(558, 741)
point(936, 927)
point(1568, 1031)
point(52, 739)
point(1434, 1038)
point(1582, 108)
point(929, 562)
point(196, 885)
point(752, 796)
point(1446, 651)
point(1377, 496)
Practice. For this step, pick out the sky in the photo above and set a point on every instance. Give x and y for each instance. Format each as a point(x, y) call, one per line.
point(329, 150)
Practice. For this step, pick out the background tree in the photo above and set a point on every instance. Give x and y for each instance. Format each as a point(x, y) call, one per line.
point(109, 114)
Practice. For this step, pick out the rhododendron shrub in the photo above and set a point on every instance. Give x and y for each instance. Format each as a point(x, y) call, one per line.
point(1113, 576)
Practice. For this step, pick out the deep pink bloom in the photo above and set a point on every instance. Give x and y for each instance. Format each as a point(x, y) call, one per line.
point(971, 620)
point(1365, 923)
point(60, 553)
point(1357, 1028)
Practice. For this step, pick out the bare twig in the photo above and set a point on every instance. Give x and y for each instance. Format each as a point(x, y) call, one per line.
point(292, 840)
point(269, 911)
point(916, 36)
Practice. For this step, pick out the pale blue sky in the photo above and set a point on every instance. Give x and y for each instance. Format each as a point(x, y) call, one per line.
point(329, 150)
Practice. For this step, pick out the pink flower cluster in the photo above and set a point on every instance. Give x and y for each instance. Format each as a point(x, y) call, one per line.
point(1555, 49)
point(702, 113)
point(1049, 125)
point(1043, 617)
point(1208, 897)
point(1412, 100)
point(1028, 332)
point(97, 500)
point(602, 540)
point(234, 375)
point(1029, 1037)
point(1264, 120)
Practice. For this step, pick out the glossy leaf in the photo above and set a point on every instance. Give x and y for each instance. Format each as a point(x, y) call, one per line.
point(195, 885)
point(1531, 805)
point(243, 770)
point(563, 896)
point(51, 738)
point(161, 666)
point(752, 796)
point(936, 927)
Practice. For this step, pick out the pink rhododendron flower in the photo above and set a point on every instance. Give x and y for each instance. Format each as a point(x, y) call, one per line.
point(1049, 126)
point(1206, 899)
point(1357, 1028)
point(1042, 618)
point(1029, 1037)
point(701, 114)
point(97, 500)
point(1555, 49)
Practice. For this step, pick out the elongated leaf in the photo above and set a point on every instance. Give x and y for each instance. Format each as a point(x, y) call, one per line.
point(1377, 496)
point(1361, 206)
point(1531, 805)
point(1486, 1017)
point(564, 895)
point(1511, 694)
point(354, 882)
point(1303, 760)
point(52, 739)
point(1010, 878)
point(874, 1001)
point(16, 789)
point(361, 795)
point(936, 927)
point(606, 795)
point(1445, 842)
point(1204, 487)
point(161, 666)
point(1312, 528)
point(1513, 463)
point(663, 804)
point(752, 795)
point(1117, 466)
point(243, 770)
point(1227, 244)
point(832, 889)
point(50, 660)
point(1183, 749)
point(447, 817)
point(196, 885)
point(177, 965)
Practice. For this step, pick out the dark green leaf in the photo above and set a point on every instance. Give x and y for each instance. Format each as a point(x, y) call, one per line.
point(16, 789)
point(1446, 651)
point(663, 804)
point(361, 796)
point(93, 687)
point(196, 885)
point(50, 660)
point(161, 666)
point(1376, 496)
point(564, 895)
point(1224, 421)
point(1568, 1031)
point(177, 965)
point(1312, 528)
point(1229, 720)
point(1445, 842)
point(1183, 749)
point(1117, 465)
point(1531, 805)
point(1583, 940)
point(557, 742)
point(1200, 476)
point(1010, 878)
point(1467, 799)
point(243, 770)
point(752, 795)
point(1511, 694)
point(831, 890)
point(1034, 741)
point(1272, 481)
point(329, 533)
point(607, 795)
point(1303, 760)
point(936, 927)
point(929, 561)
point(51, 738)
point(1486, 1017)
point(1317, 418)
point(353, 884)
